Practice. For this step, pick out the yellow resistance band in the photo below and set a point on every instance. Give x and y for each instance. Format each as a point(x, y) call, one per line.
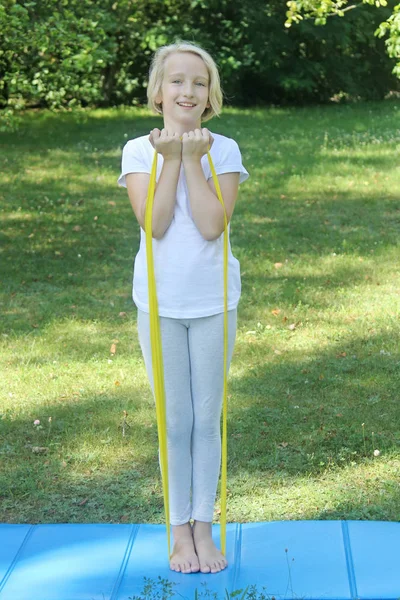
point(157, 360)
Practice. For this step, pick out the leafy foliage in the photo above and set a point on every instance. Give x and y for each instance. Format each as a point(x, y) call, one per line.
point(79, 52)
point(320, 11)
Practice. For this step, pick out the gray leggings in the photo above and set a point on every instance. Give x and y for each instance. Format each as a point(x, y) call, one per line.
point(193, 356)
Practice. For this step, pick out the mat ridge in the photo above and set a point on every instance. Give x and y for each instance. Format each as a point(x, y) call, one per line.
point(16, 557)
point(124, 563)
point(237, 555)
point(349, 561)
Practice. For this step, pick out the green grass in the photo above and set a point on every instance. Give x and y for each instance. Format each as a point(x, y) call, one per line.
point(315, 380)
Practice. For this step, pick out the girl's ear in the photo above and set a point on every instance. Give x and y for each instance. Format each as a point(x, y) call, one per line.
point(158, 100)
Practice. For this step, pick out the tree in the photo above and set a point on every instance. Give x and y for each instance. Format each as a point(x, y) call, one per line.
point(320, 10)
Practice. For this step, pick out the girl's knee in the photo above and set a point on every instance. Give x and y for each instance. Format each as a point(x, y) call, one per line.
point(207, 427)
point(178, 431)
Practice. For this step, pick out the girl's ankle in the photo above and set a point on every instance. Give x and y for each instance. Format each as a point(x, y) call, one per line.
point(181, 530)
point(202, 527)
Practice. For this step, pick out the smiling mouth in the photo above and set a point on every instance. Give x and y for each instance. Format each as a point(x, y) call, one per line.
point(186, 104)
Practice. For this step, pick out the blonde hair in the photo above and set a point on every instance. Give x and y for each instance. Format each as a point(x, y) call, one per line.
point(156, 75)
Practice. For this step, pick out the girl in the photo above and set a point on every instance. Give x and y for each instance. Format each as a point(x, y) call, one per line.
point(187, 231)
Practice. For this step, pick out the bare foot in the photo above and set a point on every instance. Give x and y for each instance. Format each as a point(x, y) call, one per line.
point(184, 558)
point(211, 559)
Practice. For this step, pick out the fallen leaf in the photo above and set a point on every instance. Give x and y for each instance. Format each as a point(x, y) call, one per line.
point(122, 314)
point(283, 444)
point(117, 383)
point(292, 326)
point(112, 203)
point(278, 265)
point(341, 355)
point(113, 348)
point(83, 502)
point(276, 311)
point(38, 449)
point(76, 228)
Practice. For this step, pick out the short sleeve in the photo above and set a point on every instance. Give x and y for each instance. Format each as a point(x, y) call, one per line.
point(133, 160)
point(228, 159)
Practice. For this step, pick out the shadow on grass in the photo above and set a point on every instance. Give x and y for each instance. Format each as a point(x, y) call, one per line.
point(285, 423)
point(53, 264)
point(52, 272)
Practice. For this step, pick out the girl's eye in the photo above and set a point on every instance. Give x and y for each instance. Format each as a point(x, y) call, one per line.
point(177, 81)
point(199, 83)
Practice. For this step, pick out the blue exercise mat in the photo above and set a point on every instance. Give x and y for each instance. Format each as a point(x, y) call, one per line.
point(318, 560)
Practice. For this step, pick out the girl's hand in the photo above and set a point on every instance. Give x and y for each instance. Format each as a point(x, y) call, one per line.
point(196, 143)
point(166, 143)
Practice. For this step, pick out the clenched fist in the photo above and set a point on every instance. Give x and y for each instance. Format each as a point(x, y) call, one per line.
point(196, 143)
point(168, 144)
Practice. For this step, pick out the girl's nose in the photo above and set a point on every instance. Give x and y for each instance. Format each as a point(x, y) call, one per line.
point(188, 91)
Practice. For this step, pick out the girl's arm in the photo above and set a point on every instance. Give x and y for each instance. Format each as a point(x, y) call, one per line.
point(165, 194)
point(207, 210)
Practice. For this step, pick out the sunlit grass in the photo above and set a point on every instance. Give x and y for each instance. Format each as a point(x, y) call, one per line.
point(314, 384)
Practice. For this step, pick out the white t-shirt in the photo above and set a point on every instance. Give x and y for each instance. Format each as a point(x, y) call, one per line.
point(188, 268)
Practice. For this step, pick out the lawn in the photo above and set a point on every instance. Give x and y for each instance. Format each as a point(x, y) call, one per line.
point(314, 386)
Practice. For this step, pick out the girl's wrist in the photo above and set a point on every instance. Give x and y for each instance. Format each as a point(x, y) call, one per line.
point(191, 159)
point(172, 158)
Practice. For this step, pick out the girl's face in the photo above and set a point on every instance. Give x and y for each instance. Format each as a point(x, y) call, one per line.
point(184, 90)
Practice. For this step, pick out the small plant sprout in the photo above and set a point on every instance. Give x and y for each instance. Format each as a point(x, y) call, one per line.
point(124, 423)
point(290, 583)
point(363, 430)
point(48, 433)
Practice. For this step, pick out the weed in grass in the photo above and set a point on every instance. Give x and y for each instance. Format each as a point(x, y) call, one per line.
point(163, 589)
point(160, 589)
